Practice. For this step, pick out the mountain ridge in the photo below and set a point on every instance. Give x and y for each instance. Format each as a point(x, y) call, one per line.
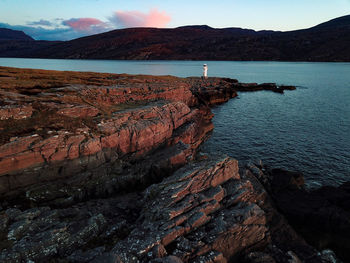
point(10, 34)
point(336, 22)
point(329, 41)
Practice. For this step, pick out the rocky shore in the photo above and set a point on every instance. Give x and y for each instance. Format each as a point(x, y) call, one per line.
point(105, 168)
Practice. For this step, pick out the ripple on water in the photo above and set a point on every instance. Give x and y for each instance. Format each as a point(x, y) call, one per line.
point(307, 130)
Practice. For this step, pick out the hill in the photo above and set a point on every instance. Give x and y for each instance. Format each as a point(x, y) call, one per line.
point(9, 34)
point(328, 41)
point(14, 43)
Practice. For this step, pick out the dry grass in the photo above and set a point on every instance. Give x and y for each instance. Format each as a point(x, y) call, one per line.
point(27, 78)
point(42, 121)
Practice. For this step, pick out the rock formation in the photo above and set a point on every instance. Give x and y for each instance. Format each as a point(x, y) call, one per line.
point(62, 124)
point(90, 172)
point(204, 212)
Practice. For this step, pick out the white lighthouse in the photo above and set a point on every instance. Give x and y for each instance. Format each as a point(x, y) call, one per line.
point(205, 71)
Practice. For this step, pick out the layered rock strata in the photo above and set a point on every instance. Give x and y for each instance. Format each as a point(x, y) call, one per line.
point(205, 212)
point(89, 172)
point(59, 132)
point(58, 125)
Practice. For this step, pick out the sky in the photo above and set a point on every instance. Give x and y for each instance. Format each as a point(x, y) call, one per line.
point(69, 19)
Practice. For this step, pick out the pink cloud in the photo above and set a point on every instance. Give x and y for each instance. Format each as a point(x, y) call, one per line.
point(153, 18)
point(91, 25)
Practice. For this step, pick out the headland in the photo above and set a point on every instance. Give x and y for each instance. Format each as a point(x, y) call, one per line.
point(98, 167)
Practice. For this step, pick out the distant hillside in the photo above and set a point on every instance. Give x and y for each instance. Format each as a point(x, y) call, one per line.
point(189, 42)
point(9, 34)
point(14, 43)
point(328, 41)
point(343, 21)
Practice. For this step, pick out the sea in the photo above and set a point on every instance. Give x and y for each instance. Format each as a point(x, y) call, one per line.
point(306, 130)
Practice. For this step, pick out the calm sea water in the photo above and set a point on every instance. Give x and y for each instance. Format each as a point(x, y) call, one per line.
point(306, 130)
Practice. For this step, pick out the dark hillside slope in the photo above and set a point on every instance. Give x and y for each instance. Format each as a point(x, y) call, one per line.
point(190, 42)
point(9, 34)
point(14, 43)
point(328, 41)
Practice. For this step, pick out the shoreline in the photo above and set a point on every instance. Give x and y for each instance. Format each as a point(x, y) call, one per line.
point(114, 142)
point(161, 60)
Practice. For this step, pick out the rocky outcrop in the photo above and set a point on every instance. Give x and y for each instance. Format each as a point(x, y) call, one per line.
point(264, 86)
point(42, 233)
point(90, 173)
point(130, 134)
point(135, 131)
point(53, 130)
point(205, 212)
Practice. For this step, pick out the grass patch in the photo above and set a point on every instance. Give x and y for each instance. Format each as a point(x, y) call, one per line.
point(43, 120)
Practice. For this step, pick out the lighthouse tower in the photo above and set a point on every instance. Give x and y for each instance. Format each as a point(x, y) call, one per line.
point(205, 71)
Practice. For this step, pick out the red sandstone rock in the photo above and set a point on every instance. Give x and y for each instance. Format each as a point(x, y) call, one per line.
point(20, 161)
point(90, 147)
point(208, 223)
point(140, 131)
point(203, 213)
point(132, 117)
point(17, 146)
point(15, 112)
point(73, 143)
point(185, 204)
point(80, 111)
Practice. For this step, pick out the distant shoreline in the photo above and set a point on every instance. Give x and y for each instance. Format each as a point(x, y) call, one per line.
point(175, 60)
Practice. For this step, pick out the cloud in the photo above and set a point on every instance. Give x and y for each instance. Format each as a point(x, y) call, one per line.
point(41, 22)
point(86, 25)
point(41, 33)
point(60, 29)
point(153, 18)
